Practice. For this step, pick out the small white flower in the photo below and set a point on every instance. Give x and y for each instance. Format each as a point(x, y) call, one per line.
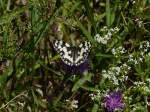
point(117, 74)
point(140, 59)
point(116, 29)
point(140, 23)
point(96, 96)
point(112, 30)
point(97, 36)
point(108, 34)
point(125, 78)
point(133, 2)
point(73, 103)
point(105, 28)
point(113, 51)
point(100, 39)
point(118, 51)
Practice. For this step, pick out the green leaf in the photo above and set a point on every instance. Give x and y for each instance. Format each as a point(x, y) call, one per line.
point(90, 14)
point(104, 55)
point(89, 88)
point(80, 82)
point(3, 79)
point(84, 30)
point(110, 15)
point(95, 107)
point(34, 97)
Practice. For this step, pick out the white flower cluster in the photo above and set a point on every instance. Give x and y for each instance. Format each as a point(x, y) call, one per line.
point(73, 104)
point(105, 38)
point(116, 74)
point(95, 96)
point(143, 51)
point(144, 87)
point(133, 1)
point(138, 84)
point(118, 51)
point(133, 59)
point(98, 95)
point(144, 46)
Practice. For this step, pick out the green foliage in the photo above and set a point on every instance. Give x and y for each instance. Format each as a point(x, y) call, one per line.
point(31, 78)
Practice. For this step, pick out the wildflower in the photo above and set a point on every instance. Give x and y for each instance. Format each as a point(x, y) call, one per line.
point(113, 51)
point(108, 34)
point(95, 96)
point(144, 46)
point(113, 101)
point(105, 28)
point(101, 39)
point(118, 51)
point(72, 104)
point(115, 69)
point(132, 1)
point(75, 69)
point(139, 57)
point(116, 74)
point(143, 87)
point(116, 29)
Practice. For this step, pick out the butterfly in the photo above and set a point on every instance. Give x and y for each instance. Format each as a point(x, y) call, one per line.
point(72, 55)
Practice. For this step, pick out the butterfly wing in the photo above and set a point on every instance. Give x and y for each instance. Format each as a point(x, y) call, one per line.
point(65, 51)
point(82, 53)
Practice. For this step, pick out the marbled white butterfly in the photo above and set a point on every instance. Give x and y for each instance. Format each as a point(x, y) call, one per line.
point(72, 55)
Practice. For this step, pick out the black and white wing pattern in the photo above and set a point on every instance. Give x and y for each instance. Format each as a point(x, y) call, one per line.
point(71, 55)
point(82, 53)
point(64, 49)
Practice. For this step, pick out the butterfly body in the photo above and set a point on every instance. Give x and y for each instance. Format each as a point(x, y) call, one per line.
point(72, 55)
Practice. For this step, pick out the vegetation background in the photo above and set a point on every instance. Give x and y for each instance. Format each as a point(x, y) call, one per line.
point(31, 79)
